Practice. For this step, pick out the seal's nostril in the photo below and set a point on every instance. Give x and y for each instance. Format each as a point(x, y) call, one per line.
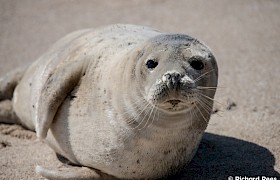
point(172, 79)
point(168, 76)
point(176, 77)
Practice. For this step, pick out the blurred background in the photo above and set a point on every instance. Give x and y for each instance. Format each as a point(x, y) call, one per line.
point(243, 135)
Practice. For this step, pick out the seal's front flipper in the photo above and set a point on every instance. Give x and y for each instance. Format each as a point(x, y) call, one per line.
point(9, 82)
point(67, 172)
point(7, 114)
point(58, 85)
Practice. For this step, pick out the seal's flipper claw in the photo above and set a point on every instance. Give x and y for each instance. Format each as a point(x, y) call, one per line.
point(69, 172)
point(58, 85)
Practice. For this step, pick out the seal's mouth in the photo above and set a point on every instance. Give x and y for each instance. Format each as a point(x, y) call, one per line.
point(174, 105)
point(173, 102)
point(172, 98)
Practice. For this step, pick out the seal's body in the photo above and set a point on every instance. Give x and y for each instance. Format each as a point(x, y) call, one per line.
point(127, 100)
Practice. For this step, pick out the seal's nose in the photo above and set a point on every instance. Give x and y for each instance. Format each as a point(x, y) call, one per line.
point(172, 79)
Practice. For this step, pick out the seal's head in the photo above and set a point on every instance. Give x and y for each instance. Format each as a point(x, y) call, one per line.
point(177, 73)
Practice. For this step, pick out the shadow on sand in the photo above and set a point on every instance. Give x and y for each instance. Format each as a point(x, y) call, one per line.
point(219, 157)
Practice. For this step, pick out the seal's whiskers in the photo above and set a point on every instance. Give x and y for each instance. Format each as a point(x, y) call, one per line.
point(142, 109)
point(206, 102)
point(136, 105)
point(209, 102)
point(206, 88)
point(203, 75)
point(209, 98)
point(155, 113)
point(143, 119)
point(205, 107)
point(204, 118)
point(146, 124)
point(196, 116)
point(192, 114)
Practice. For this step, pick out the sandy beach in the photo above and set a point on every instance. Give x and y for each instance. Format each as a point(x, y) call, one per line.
point(242, 138)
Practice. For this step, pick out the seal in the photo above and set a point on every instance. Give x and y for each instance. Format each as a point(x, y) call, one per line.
point(127, 100)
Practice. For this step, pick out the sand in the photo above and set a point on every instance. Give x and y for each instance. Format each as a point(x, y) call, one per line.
point(242, 138)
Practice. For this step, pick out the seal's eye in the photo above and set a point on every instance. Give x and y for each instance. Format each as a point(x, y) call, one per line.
point(197, 64)
point(151, 64)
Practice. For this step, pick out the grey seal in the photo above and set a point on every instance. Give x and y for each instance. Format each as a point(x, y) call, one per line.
point(127, 100)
